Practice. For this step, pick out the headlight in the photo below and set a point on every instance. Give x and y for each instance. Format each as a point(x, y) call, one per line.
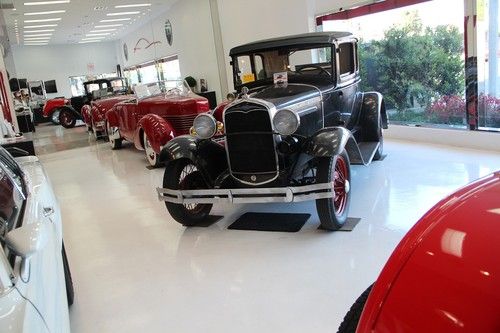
point(204, 126)
point(286, 122)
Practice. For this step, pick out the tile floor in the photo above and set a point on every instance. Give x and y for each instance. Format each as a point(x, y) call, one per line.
point(137, 270)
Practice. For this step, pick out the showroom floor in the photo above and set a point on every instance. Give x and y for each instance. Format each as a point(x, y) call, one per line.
point(135, 269)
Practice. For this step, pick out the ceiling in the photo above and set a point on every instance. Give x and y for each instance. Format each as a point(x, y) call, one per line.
point(81, 21)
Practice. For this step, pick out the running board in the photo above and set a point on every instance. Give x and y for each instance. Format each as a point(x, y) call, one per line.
point(366, 152)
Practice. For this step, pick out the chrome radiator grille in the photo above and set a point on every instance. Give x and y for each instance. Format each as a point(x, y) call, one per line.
point(181, 124)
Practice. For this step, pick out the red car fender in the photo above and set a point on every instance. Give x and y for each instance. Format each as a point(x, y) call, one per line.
point(112, 118)
point(158, 130)
point(219, 111)
point(53, 104)
point(86, 115)
point(410, 249)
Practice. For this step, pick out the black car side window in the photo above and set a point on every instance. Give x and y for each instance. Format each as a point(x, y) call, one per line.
point(346, 59)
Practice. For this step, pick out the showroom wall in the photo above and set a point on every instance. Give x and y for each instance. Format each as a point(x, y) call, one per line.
point(59, 62)
point(193, 42)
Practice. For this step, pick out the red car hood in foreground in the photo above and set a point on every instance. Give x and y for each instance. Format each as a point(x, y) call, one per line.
point(444, 276)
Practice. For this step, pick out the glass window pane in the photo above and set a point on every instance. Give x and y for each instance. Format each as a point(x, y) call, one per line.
point(346, 59)
point(488, 64)
point(414, 56)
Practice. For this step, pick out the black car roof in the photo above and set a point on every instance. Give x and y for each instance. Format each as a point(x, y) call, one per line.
point(295, 40)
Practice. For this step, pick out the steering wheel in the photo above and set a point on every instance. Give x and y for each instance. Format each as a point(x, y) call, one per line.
point(321, 69)
point(174, 91)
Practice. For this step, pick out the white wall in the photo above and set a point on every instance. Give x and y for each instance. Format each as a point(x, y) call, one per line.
point(193, 42)
point(59, 62)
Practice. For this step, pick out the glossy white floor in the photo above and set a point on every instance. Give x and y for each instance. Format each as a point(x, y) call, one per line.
point(135, 269)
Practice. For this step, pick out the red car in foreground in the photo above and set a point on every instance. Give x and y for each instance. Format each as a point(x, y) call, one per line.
point(152, 118)
point(444, 276)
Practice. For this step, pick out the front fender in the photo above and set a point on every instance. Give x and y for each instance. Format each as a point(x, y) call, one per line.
point(208, 156)
point(112, 118)
point(86, 115)
point(158, 130)
point(373, 113)
point(330, 141)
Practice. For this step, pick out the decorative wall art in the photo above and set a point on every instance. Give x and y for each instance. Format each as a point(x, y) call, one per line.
point(169, 33)
point(125, 51)
point(145, 44)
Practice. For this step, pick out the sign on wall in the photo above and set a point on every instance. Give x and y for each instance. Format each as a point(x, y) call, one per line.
point(125, 51)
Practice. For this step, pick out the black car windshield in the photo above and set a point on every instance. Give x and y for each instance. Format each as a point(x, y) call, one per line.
point(271, 64)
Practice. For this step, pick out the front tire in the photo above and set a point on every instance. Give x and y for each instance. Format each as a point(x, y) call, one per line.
point(183, 175)
point(54, 117)
point(351, 319)
point(333, 212)
point(152, 157)
point(115, 143)
point(70, 291)
point(67, 119)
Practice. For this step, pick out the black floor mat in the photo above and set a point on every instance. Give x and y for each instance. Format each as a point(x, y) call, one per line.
point(282, 222)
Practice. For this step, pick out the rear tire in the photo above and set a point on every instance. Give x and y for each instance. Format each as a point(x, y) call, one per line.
point(333, 212)
point(70, 291)
point(67, 119)
point(351, 319)
point(183, 174)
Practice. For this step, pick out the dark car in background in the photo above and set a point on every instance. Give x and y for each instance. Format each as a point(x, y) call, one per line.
point(299, 122)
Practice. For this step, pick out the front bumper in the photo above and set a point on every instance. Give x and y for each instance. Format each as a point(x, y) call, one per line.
point(100, 126)
point(248, 195)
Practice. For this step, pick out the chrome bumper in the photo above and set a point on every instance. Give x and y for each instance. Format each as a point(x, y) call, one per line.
point(248, 195)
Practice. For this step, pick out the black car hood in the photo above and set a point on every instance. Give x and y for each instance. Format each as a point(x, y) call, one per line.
point(284, 95)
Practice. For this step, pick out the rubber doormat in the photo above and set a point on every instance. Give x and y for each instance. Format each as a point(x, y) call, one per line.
point(278, 222)
point(350, 224)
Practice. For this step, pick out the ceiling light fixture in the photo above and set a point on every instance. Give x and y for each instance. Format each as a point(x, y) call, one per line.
point(43, 20)
point(102, 34)
point(35, 31)
point(38, 3)
point(89, 41)
point(35, 44)
point(45, 13)
point(102, 30)
point(115, 20)
point(134, 5)
point(108, 25)
point(40, 35)
point(40, 26)
point(93, 38)
point(122, 13)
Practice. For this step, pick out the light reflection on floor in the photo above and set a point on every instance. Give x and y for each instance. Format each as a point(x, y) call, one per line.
point(135, 269)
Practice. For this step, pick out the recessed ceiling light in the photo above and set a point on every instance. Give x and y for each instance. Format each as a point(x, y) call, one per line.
point(55, 2)
point(108, 25)
point(114, 20)
point(101, 34)
point(100, 8)
point(122, 13)
point(36, 44)
point(14, 9)
point(103, 30)
point(43, 20)
point(89, 41)
point(39, 35)
point(134, 5)
point(45, 13)
point(40, 26)
point(35, 31)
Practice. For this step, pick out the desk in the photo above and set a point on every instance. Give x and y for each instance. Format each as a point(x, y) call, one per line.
point(24, 142)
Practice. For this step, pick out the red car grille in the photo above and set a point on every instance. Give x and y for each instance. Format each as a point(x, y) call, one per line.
point(181, 124)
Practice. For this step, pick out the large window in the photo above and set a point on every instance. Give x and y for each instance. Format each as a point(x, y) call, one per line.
point(488, 68)
point(76, 82)
point(414, 56)
point(165, 69)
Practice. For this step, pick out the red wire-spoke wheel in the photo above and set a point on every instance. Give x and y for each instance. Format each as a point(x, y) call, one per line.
point(184, 175)
point(67, 119)
point(335, 170)
point(341, 185)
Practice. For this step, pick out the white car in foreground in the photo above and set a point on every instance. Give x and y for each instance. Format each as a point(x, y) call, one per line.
point(35, 281)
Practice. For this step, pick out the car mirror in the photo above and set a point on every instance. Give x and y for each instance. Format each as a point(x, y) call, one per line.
point(28, 239)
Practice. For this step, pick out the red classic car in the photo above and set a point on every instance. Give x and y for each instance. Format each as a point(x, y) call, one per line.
point(153, 118)
point(53, 107)
point(94, 115)
point(444, 276)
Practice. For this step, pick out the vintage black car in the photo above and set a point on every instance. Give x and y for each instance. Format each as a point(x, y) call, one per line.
point(299, 122)
point(94, 89)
